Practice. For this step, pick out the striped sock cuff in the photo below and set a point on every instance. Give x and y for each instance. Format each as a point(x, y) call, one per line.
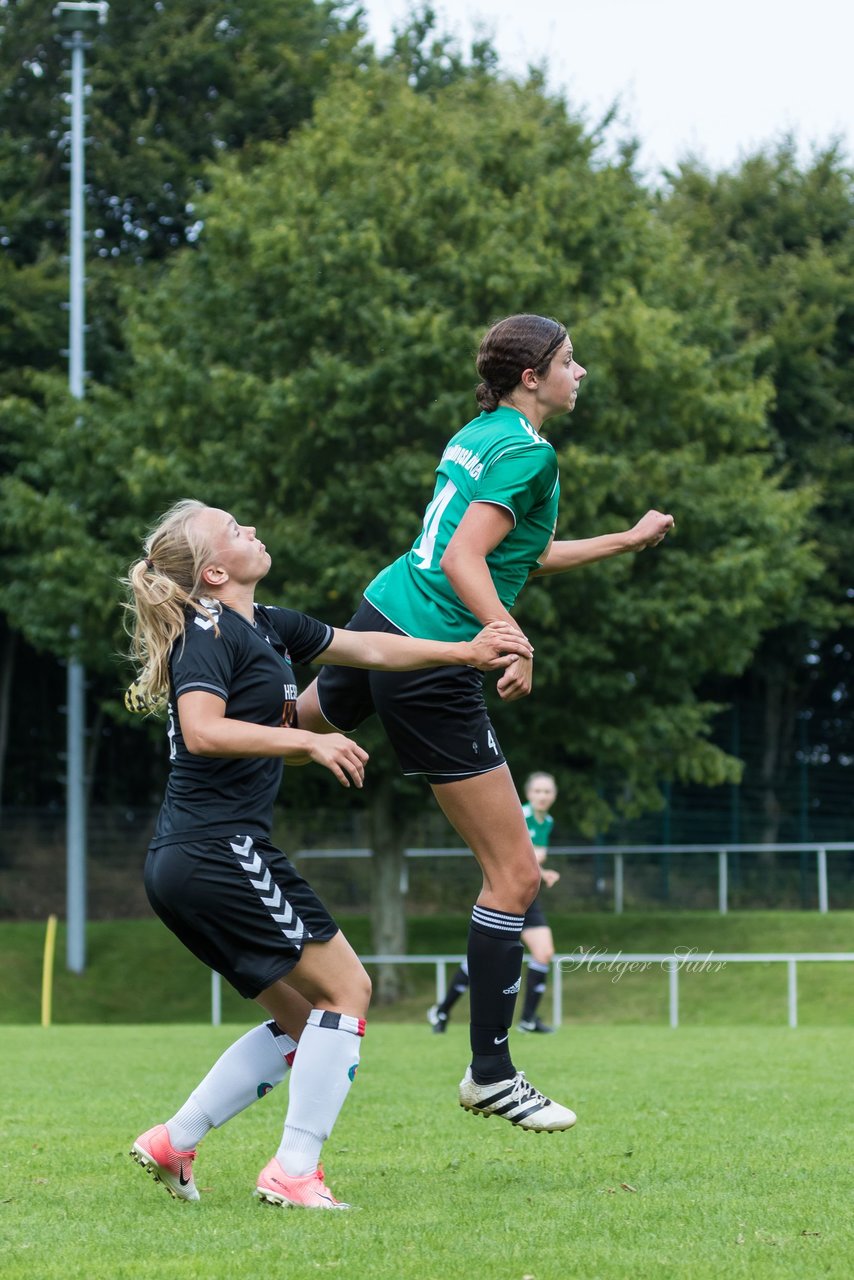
point(336, 1021)
point(285, 1043)
point(500, 924)
point(537, 967)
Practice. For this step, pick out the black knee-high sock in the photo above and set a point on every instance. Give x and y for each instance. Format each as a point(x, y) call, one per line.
point(495, 974)
point(534, 988)
point(459, 984)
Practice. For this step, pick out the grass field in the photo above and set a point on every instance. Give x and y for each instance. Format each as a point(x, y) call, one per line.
point(700, 1154)
point(138, 972)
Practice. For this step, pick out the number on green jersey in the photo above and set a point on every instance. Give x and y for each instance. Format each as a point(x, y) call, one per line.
point(432, 519)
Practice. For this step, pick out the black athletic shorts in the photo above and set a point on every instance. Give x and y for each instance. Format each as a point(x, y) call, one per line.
point(535, 916)
point(239, 905)
point(435, 719)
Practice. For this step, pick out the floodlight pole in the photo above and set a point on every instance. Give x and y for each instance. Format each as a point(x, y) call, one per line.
point(76, 21)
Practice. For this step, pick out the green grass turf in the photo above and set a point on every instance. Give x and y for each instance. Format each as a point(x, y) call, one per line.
point(138, 972)
point(699, 1154)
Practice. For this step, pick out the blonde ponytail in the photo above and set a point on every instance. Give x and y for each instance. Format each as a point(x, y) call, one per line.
point(161, 586)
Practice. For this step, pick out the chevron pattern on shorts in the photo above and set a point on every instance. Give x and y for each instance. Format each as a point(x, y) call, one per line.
point(269, 892)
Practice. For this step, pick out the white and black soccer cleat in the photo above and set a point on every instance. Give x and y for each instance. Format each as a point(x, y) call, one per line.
point(515, 1100)
point(536, 1026)
point(438, 1021)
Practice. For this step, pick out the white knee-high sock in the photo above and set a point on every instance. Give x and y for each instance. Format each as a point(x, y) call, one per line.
point(248, 1069)
point(324, 1069)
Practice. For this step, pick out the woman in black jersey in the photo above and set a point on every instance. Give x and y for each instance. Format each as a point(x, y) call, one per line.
point(223, 666)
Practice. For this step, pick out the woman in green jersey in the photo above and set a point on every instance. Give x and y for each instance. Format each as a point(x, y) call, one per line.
point(540, 795)
point(488, 528)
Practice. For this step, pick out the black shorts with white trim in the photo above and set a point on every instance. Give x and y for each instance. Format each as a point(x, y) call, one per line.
point(239, 905)
point(535, 916)
point(435, 719)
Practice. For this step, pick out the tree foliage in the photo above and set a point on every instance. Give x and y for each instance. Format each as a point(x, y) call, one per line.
point(304, 365)
point(288, 322)
point(174, 84)
point(779, 239)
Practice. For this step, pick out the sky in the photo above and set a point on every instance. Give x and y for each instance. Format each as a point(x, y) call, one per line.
point(716, 79)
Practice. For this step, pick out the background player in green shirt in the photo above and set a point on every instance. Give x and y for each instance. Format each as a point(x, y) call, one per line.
point(489, 526)
point(540, 795)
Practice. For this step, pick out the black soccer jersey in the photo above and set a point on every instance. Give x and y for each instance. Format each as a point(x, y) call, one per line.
point(249, 667)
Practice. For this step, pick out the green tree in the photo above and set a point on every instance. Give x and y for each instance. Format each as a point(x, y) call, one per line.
point(305, 365)
point(779, 239)
point(432, 60)
point(173, 87)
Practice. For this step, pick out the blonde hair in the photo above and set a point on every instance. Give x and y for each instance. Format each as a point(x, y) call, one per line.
point(161, 586)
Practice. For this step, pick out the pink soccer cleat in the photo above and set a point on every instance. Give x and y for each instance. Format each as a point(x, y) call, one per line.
point(309, 1192)
point(174, 1169)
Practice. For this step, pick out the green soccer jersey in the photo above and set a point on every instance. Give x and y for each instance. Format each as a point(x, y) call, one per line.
point(498, 458)
point(539, 831)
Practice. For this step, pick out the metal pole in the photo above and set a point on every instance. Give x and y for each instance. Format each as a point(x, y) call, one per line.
point(673, 984)
point(76, 676)
point(77, 297)
point(618, 884)
point(722, 881)
point(77, 18)
point(735, 787)
point(821, 859)
point(792, 966)
point(803, 805)
point(216, 999)
point(441, 981)
point(665, 840)
point(75, 819)
point(557, 993)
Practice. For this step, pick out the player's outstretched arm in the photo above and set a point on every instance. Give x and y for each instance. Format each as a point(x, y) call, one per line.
point(492, 649)
point(208, 731)
point(648, 532)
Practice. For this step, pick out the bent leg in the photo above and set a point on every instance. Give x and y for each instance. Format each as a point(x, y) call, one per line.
point(540, 944)
point(246, 1071)
point(331, 979)
point(486, 812)
point(309, 715)
point(458, 986)
point(329, 975)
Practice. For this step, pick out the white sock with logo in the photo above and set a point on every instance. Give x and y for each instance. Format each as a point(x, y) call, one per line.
point(323, 1071)
point(248, 1069)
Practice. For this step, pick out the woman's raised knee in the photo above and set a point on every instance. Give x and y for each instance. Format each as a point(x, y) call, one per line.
point(352, 991)
point(517, 889)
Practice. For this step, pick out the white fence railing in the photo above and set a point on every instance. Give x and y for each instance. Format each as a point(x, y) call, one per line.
point(674, 963)
point(621, 851)
point(670, 962)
